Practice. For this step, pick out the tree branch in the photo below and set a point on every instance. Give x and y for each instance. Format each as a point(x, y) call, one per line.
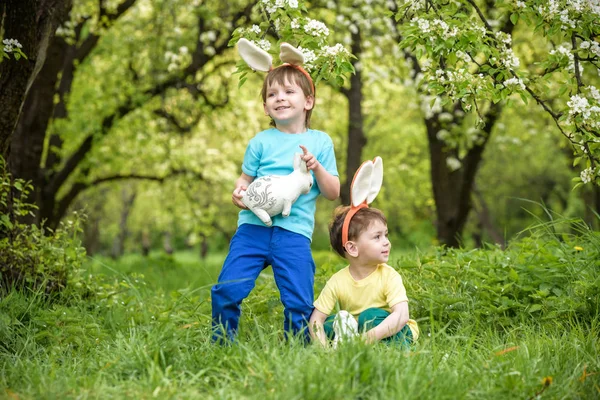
point(481, 16)
point(576, 62)
point(67, 199)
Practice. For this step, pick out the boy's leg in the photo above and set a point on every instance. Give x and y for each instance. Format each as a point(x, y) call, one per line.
point(294, 271)
point(247, 256)
point(372, 317)
point(328, 326)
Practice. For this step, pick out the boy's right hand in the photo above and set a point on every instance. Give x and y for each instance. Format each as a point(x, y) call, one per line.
point(236, 197)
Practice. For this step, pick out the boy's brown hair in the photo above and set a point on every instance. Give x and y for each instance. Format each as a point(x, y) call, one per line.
point(287, 73)
point(359, 223)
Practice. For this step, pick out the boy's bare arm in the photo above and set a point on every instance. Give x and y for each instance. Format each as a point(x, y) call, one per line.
point(241, 184)
point(328, 184)
point(316, 327)
point(391, 325)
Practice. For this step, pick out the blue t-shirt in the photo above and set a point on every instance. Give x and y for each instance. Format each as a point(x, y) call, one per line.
point(271, 152)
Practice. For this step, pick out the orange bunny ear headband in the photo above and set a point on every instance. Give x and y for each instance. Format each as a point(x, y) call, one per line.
point(365, 186)
point(260, 60)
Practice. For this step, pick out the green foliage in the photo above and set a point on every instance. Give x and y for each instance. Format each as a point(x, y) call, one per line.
point(31, 256)
point(541, 279)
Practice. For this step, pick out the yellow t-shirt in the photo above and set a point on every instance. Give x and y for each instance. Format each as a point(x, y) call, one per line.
point(382, 289)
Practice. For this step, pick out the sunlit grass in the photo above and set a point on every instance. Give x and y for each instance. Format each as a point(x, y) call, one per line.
point(142, 330)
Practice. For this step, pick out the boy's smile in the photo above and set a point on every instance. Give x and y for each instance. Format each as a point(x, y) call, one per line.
point(287, 105)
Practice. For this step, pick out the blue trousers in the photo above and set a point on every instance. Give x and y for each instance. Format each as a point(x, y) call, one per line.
point(251, 250)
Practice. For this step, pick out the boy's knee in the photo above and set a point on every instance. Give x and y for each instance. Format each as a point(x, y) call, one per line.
point(372, 316)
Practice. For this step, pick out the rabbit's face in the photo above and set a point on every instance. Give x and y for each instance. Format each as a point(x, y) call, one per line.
point(309, 184)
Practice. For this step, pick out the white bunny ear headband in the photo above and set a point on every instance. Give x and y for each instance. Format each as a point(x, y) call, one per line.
point(365, 186)
point(260, 60)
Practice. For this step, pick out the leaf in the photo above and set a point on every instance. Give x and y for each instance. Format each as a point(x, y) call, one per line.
point(534, 308)
point(514, 18)
point(6, 221)
point(524, 97)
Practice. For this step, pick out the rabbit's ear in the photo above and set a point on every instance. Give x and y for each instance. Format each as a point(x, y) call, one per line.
point(254, 56)
point(376, 179)
point(367, 182)
point(361, 183)
point(291, 55)
point(299, 164)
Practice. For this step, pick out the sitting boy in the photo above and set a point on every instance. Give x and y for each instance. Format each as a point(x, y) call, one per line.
point(370, 293)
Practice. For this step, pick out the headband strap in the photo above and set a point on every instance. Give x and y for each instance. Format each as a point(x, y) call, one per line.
point(347, 218)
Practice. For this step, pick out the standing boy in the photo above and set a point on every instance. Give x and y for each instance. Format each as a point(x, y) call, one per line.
point(288, 97)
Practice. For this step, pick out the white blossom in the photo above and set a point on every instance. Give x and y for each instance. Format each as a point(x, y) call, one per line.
point(209, 51)
point(442, 134)
point(510, 60)
point(453, 163)
point(512, 82)
point(255, 29)
point(463, 56)
point(333, 51)
point(292, 3)
point(587, 175)
point(10, 44)
point(578, 104)
point(263, 44)
point(422, 23)
point(208, 36)
point(316, 28)
point(309, 57)
point(430, 109)
point(594, 92)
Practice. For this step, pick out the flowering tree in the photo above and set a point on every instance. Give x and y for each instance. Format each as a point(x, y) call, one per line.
point(288, 21)
point(473, 63)
point(467, 69)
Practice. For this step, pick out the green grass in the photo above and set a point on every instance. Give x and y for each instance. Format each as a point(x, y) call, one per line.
point(139, 328)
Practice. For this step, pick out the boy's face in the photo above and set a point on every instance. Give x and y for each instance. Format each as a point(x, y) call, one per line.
point(373, 245)
point(287, 104)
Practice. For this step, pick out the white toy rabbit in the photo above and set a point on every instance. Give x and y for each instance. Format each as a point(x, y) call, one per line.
point(271, 195)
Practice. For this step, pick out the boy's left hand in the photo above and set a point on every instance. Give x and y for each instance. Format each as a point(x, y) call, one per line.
point(311, 162)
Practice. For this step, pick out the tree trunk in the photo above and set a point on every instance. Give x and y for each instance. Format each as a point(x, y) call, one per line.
point(146, 243)
point(203, 247)
point(356, 134)
point(128, 197)
point(32, 23)
point(452, 189)
point(167, 242)
point(485, 221)
point(27, 145)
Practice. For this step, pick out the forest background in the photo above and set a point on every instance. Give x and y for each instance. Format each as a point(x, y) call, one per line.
point(136, 117)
